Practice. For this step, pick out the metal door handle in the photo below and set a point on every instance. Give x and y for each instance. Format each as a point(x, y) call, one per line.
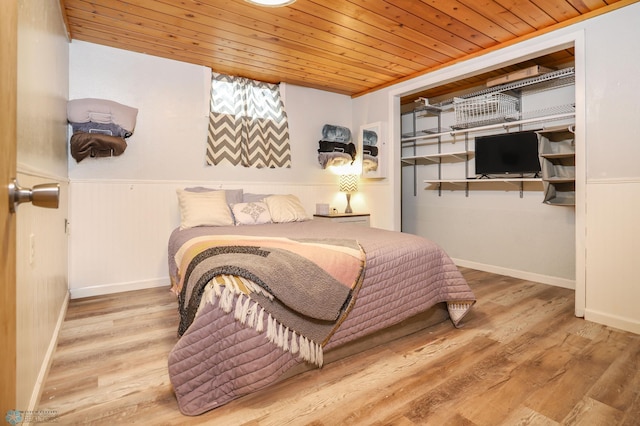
point(43, 195)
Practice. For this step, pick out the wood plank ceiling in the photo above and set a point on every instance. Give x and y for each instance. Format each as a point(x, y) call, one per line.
point(349, 47)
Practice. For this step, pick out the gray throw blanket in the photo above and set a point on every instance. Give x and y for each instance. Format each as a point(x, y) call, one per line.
point(301, 303)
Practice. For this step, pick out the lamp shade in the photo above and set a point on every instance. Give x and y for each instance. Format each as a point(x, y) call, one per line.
point(348, 183)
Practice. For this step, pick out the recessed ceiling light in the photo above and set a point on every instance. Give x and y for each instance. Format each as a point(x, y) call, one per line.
point(271, 3)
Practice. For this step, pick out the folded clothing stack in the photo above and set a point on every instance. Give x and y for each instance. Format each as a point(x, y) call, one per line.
point(369, 150)
point(335, 147)
point(99, 127)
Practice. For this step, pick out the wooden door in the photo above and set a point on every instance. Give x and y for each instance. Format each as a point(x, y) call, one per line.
point(8, 90)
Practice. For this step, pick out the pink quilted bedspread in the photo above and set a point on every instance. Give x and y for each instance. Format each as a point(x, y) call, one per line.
point(219, 359)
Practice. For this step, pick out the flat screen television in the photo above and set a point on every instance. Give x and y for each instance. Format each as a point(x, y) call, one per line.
point(507, 153)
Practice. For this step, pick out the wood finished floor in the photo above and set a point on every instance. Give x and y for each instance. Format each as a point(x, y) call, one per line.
point(522, 358)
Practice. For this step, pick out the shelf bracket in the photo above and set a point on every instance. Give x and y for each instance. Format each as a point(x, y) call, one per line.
point(521, 189)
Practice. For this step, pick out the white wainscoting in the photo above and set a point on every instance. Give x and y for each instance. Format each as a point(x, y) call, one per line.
point(42, 289)
point(613, 252)
point(119, 229)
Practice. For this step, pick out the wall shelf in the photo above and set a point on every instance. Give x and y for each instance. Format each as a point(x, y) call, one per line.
point(547, 81)
point(479, 180)
point(436, 158)
point(559, 180)
point(505, 125)
point(518, 182)
point(560, 155)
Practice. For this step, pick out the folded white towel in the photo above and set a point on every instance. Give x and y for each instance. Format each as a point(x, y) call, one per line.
point(102, 111)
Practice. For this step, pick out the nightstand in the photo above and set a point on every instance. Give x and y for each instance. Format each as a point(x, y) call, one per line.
point(355, 218)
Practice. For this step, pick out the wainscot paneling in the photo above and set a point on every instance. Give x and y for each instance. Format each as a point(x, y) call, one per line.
point(613, 241)
point(119, 229)
point(42, 290)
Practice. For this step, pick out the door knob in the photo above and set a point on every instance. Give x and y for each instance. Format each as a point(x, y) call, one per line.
point(43, 195)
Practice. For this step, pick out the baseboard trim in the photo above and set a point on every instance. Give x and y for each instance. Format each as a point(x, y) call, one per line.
point(99, 290)
point(613, 321)
point(525, 275)
point(78, 293)
point(48, 357)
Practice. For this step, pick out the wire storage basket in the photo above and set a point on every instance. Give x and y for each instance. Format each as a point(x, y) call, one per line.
point(485, 109)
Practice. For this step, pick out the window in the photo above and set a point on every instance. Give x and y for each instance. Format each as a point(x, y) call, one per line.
point(247, 124)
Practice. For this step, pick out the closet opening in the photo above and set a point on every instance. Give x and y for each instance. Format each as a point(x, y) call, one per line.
point(507, 225)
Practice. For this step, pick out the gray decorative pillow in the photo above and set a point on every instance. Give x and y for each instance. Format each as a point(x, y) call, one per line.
point(233, 195)
point(252, 198)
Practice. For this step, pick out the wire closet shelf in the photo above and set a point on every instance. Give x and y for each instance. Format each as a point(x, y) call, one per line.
point(491, 106)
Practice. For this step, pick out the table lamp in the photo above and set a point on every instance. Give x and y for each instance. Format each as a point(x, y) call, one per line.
point(348, 184)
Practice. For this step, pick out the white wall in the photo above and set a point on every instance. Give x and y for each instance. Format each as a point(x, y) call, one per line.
point(41, 244)
point(123, 208)
point(606, 114)
point(169, 140)
point(613, 174)
point(381, 194)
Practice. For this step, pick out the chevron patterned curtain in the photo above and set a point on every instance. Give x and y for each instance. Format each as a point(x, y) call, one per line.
point(247, 124)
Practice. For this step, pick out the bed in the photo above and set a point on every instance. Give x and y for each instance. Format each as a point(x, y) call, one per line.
point(375, 281)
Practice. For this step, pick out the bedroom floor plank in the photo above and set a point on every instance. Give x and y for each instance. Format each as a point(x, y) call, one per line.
point(619, 386)
point(521, 358)
point(568, 388)
point(406, 385)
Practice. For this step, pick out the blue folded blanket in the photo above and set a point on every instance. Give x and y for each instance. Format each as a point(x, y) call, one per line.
point(334, 133)
point(369, 137)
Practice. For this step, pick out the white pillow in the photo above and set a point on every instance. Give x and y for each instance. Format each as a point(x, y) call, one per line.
point(251, 213)
point(285, 208)
point(203, 209)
